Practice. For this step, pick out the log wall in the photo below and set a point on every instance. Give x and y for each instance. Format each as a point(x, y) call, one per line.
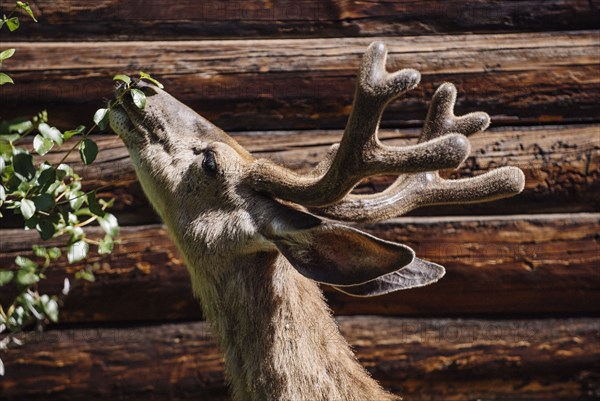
point(516, 317)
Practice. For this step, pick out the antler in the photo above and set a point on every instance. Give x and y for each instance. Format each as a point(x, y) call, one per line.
point(409, 192)
point(360, 154)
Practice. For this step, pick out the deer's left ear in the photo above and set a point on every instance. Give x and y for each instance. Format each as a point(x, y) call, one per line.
point(418, 273)
point(332, 253)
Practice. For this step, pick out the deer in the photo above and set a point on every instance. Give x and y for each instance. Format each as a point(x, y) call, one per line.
point(258, 238)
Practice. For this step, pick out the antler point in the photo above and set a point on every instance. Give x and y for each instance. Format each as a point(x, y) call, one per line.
point(460, 146)
point(377, 46)
point(515, 179)
point(447, 87)
point(446, 94)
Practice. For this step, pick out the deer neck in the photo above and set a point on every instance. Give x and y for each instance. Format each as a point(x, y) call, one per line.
point(279, 338)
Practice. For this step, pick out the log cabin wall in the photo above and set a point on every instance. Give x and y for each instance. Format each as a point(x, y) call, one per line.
point(515, 318)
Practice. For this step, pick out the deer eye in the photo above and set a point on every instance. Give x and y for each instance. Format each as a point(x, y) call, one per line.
point(209, 164)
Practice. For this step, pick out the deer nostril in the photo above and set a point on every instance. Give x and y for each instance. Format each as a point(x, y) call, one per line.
point(209, 164)
point(146, 89)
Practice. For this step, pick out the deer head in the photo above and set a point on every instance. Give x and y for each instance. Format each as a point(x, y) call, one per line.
point(224, 207)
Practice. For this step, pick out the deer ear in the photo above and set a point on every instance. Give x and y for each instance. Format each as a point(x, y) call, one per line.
point(419, 273)
point(332, 253)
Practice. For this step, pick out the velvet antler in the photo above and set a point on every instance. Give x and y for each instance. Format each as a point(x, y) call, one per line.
point(360, 154)
point(411, 191)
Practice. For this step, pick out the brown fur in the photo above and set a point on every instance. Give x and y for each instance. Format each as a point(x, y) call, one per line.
point(253, 259)
point(279, 338)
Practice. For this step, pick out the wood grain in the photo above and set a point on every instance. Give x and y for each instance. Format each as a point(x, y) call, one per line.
point(555, 359)
point(309, 83)
point(511, 265)
point(188, 19)
point(283, 73)
point(561, 164)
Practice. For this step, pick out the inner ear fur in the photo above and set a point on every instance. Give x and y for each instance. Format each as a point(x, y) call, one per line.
point(418, 273)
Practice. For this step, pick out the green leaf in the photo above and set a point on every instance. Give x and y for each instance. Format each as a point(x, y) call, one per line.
point(27, 208)
point(25, 263)
point(13, 183)
point(6, 54)
point(76, 200)
point(51, 133)
point(5, 79)
point(27, 277)
point(101, 118)
point(147, 77)
point(139, 98)
point(94, 205)
point(46, 178)
point(105, 246)
point(26, 299)
point(109, 224)
point(64, 170)
point(6, 277)
point(39, 251)
point(23, 165)
point(42, 145)
point(77, 251)
point(32, 222)
point(50, 307)
point(25, 6)
point(54, 217)
point(5, 148)
point(124, 78)
point(12, 23)
point(88, 150)
point(66, 286)
point(68, 134)
point(86, 275)
point(11, 138)
point(19, 126)
point(41, 117)
point(44, 202)
point(46, 229)
point(54, 253)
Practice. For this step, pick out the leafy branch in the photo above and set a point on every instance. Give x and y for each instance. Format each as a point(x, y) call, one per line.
point(13, 24)
point(49, 198)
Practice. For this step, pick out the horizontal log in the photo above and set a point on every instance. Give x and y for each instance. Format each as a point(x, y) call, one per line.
point(561, 165)
point(545, 264)
point(422, 360)
point(188, 19)
point(308, 83)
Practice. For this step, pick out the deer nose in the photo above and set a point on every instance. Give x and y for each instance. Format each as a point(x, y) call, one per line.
point(121, 87)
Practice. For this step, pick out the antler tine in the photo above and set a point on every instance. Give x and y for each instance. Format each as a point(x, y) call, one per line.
point(360, 153)
point(441, 119)
point(409, 192)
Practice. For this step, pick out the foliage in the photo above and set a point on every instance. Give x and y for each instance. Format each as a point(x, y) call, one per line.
point(49, 198)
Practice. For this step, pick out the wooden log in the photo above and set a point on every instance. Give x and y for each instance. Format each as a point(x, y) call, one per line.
point(187, 19)
point(561, 163)
point(556, 359)
point(536, 264)
point(309, 83)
